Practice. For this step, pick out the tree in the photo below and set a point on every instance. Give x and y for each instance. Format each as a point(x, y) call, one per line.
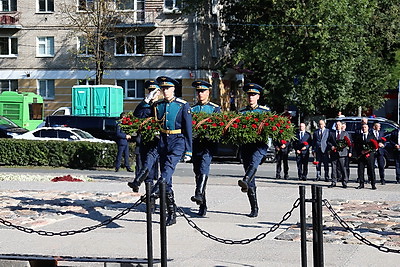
point(321, 55)
point(94, 23)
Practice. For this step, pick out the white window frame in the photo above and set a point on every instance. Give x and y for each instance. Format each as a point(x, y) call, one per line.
point(48, 43)
point(124, 85)
point(46, 4)
point(174, 48)
point(87, 7)
point(10, 85)
point(10, 46)
point(175, 8)
point(47, 88)
point(135, 46)
point(86, 49)
point(10, 5)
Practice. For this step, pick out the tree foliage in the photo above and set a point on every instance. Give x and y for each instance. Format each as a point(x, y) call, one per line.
point(321, 55)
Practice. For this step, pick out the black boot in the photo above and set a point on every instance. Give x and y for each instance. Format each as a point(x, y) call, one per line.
point(139, 180)
point(251, 193)
point(248, 177)
point(171, 209)
point(201, 182)
point(202, 210)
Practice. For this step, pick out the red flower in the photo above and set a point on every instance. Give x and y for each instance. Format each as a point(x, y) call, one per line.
point(374, 143)
point(67, 178)
point(383, 139)
point(204, 126)
point(235, 125)
point(315, 162)
point(214, 124)
point(305, 143)
point(247, 118)
point(275, 116)
point(194, 122)
point(244, 126)
point(148, 127)
point(289, 122)
point(137, 120)
point(274, 128)
point(278, 125)
point(271, 118)
point(153, 121)
point(367, 155)
point(287, 126)
point(254, 126)
point(283, 142)
point(280, 131)
point(256, 119)
point(348, 142)
point(209, 120)
point(130, 123)
point(266, 124)
point(237, 120)
point(221, 123)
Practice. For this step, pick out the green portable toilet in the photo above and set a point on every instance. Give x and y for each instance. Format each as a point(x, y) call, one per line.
point(97, 100)
point(81, 100)
point(25, 109)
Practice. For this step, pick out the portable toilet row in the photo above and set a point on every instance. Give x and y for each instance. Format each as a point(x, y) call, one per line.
point(25, 109)
point(97, 100)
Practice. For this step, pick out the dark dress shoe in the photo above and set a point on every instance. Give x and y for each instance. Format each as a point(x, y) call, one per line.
point(116, 169)
point(360, 187)
point(332, 185)
point(129, 170)
point(278, 177)
point(344, 185)
point(286, 176)
point(373, 187)
point(383, 182)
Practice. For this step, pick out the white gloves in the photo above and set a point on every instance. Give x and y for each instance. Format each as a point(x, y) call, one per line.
point(150, 96)
point(187, 158)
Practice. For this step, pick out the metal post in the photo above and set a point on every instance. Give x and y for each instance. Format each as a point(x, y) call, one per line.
point(149, 226)
point(163, 226)
point(314, 224)
point(303, 226)
point(320, 227)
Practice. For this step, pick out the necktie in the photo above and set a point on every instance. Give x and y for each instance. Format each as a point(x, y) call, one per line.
point(365, 137)
point(376, 134)
point(301, 135)
point(338, 135)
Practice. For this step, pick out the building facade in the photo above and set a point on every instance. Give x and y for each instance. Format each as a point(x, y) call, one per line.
point(42, 52)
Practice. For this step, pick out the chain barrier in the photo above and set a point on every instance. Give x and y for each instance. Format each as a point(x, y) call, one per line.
point(355, 234)
point(246, 241)
point(73, 232)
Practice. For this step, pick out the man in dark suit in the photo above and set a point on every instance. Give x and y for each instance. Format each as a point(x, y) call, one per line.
point(123, 147)
point(301, 147)
point(320, 150)
point(395, 140)
point(340, 150)
point(380, 153)
point(282, 148)
point(364, 145)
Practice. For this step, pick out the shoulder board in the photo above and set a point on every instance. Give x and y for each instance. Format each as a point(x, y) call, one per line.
point(243, 109)
point(264, 108)
point(213, 104)
point(180, 100)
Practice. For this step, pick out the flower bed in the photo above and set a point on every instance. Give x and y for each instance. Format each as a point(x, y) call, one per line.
point(227, 127)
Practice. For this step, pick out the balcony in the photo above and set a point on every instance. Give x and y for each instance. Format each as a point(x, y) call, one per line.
point(10, 21)
point(141, 19)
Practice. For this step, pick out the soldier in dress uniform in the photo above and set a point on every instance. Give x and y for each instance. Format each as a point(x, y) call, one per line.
point(147, 160)
point(175, 137)
point(252, 153)
point(202, 150)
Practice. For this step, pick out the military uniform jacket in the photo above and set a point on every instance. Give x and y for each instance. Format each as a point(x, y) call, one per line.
point(143, 110)
point(257, 109)
point(175, 118)
point(209, 108)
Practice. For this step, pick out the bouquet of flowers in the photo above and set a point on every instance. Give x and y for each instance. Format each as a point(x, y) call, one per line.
point(148, 128)
point(342, 144)
point(370, 146)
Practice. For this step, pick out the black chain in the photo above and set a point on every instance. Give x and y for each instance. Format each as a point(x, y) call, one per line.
point(73, 232)
point(355, 234)
point(246, 241)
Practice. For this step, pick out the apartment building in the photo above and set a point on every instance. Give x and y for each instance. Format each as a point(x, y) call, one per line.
point(41, 52)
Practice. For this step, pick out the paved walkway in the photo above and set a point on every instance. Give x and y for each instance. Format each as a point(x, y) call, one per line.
point(69, 206)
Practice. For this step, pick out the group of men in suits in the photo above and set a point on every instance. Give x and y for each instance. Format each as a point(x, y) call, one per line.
point(334, 148)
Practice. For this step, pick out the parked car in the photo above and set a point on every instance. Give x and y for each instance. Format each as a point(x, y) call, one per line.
point(9, 129)
point(60, 134)
point(353, 124)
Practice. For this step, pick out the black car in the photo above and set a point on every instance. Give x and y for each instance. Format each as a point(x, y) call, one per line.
point(353, 124)
point(9, 129)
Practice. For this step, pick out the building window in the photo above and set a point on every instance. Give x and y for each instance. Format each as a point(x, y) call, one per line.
point(46, 88)
point(8, 5)
point(133, 5)
point(86, 82)
point(46, 5)
point(173, 45)
point(132, 88)
point(172, 4)
point(8, 46)
point(129, 46)
point(45, 46)
point(85, 48)
point(9, 85)
point(85, 5)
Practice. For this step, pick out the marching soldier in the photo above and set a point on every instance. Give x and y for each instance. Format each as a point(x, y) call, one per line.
point(175, 137)
point(148, 155)
point(252, 153)
point(202, 150)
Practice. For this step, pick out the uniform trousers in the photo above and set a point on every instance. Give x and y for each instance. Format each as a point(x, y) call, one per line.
point(202, 156)
point(252, 155)
point(171, 149)
point(148, 153)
